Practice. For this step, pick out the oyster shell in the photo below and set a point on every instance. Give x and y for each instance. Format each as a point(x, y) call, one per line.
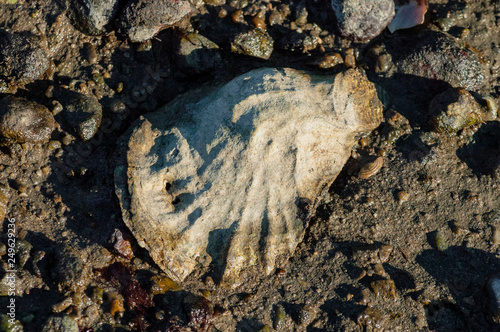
point(226, 180)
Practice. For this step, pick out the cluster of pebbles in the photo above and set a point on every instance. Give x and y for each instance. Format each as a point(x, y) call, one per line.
point(407, 236)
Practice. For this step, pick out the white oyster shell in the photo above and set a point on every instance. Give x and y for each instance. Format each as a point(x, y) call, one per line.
point(226, 180)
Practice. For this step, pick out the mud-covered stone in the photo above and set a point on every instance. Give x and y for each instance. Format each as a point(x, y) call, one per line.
point(256, 43)
point(69, 271)
point(82, 112)
point(92, 17)
point(362, 20)
point(22, 57)
point(453, 110)
point(228, 178)
point(24, 121)
point(140, 20)
point(436, 55)
point(197, 54)
point(63, 323)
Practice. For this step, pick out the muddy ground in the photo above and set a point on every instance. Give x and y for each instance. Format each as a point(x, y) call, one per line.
point(408, 249)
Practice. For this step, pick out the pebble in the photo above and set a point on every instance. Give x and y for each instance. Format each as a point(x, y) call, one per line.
point(492, 290)
point(60, 323)
point(140, 20)
point(82, 112)
point(162, 284)
point(440, 241)
point(69, 270)
point(385, 288)
point(92, 17)
point(24, 121)
point(279, 321)
point(350, 61)
point(89, 53)
point(296, 41)
point(436, 55)
point(330, 61)
point(402, 196)
point(385, 252)
point(117, 307)
point(496, 235)
point(256, 43)
point(238, 17)
point(454, 110)
point(196, 54)
point(8, 324)
point(22, 57)
point(4, 200)
point(361, 20)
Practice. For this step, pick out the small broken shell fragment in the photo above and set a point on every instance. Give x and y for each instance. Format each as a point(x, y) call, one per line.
point(371, 168)
point(409, 13)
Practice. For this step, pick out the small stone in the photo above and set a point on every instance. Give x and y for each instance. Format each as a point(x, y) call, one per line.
point(385, 288)
point(69, 271)
point(199, 311)
point(454, 110)
point(440, 241)
point(279, 321)
point(403, 196)
point(256, 43)
point(83, 113)
point(496, 235)
point(89, 53)
point(140, 20)
point(275, 18)
point(24, 121)
point(330, 61)
point(350, 61)
point(298, 42)
point(97, 295)
point(7, 324)
point(22, 57)
point(23, 250)
point(361, 20)
point(117, 307)
point(63, 305)
point(385, 252)
point(162, 284)
point(436, 55)
point(371, 317)
point(60, 323)
point(92, 17)
point(197, 55)
point(492, 290)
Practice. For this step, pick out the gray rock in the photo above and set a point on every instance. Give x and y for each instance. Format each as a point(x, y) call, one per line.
point(361, 20)
point(256, 43)
point(24, 121)
point(228, 178)
point(196, 55)
point(454, 110)
point(83, 113)
point(62, 323)
point(22, 57)
point(438, 56)
point(140, 20)
point(92, 17)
